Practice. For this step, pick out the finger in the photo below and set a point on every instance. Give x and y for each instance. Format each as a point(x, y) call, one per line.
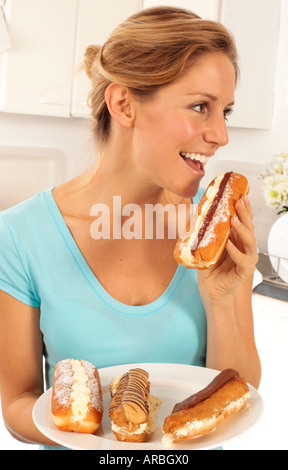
point(248, 206)
point(244, 263)
point(236, 256)
point(245, 214)
point(245, 235)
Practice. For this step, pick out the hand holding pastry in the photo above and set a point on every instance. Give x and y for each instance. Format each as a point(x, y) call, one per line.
point(238, 261)
point(222, 220)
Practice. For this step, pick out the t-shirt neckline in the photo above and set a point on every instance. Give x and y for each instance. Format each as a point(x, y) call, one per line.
point(92, 279)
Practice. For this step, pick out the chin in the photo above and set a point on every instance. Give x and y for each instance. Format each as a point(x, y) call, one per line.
point(188, 192)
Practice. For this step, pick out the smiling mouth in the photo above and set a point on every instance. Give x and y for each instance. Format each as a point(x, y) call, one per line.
point(195, 157)
point(195, 162)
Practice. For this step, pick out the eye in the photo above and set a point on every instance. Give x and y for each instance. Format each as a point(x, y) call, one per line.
point(228, 112)
point(199, 107)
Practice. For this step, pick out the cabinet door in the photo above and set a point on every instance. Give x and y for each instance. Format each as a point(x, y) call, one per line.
point(36, 73)
point(96, 20)
point(255, 26)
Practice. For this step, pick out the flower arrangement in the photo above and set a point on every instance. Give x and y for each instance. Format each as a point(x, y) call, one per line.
point(275, 182)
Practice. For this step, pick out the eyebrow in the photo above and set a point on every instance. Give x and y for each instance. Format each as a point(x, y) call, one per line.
point(208, 95)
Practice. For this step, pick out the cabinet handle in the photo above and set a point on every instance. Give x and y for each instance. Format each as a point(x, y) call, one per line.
point(56, 103)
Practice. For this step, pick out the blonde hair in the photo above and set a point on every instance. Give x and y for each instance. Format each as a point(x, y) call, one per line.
point(147, 51)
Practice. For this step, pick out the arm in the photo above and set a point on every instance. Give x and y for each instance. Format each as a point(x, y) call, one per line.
point(21, 374)
point(230, 335)
point(226, 291)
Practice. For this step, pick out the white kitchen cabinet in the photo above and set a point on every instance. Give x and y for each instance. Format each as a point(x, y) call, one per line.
point(96, 20)
point(35, 74)
point(255, 25)
point(4, 36)
point(40, 73)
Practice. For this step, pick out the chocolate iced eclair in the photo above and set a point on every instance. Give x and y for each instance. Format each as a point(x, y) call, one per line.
point(202, 412)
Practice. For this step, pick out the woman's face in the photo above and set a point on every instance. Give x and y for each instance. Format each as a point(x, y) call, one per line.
point(180, 129)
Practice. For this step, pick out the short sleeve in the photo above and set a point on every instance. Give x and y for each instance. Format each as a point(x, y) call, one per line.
point(14, 280)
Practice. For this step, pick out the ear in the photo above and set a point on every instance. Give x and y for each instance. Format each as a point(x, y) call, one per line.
point(120, 104)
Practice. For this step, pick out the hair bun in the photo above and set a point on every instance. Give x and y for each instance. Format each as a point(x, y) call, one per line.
point(89, 59)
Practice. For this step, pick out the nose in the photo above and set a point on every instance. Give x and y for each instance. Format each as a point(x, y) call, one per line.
point(216, 131)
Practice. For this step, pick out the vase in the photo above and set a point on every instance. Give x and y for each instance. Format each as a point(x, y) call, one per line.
point(278, 247)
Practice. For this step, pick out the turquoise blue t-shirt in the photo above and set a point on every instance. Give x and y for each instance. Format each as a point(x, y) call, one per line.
point(42, 266)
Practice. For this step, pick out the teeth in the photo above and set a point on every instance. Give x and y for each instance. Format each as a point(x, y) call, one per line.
point(196, 156)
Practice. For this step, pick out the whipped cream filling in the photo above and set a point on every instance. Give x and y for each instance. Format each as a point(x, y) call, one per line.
point(149, 426)
point(186, 255)
point(80, 395)
point(196, 425)
point(120, 430)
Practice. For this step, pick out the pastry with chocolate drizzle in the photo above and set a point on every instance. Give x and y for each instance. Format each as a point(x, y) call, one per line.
point(133, 409)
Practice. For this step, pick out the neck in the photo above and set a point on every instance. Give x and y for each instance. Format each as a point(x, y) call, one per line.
point(118, 173)
point(127, 183)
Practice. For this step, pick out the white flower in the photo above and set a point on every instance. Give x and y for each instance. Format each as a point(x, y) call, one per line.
point(275, 182)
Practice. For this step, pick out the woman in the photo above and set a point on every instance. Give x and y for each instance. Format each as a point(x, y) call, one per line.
point(162, 88)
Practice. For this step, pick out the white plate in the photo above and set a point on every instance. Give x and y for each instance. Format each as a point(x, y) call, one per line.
point(170, 382)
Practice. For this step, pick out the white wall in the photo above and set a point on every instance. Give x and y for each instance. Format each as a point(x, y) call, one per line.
point(71, 136)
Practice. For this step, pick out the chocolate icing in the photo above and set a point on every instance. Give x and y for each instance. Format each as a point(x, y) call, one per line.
point(132, 391)
point(220, 380)
point(210, 213)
